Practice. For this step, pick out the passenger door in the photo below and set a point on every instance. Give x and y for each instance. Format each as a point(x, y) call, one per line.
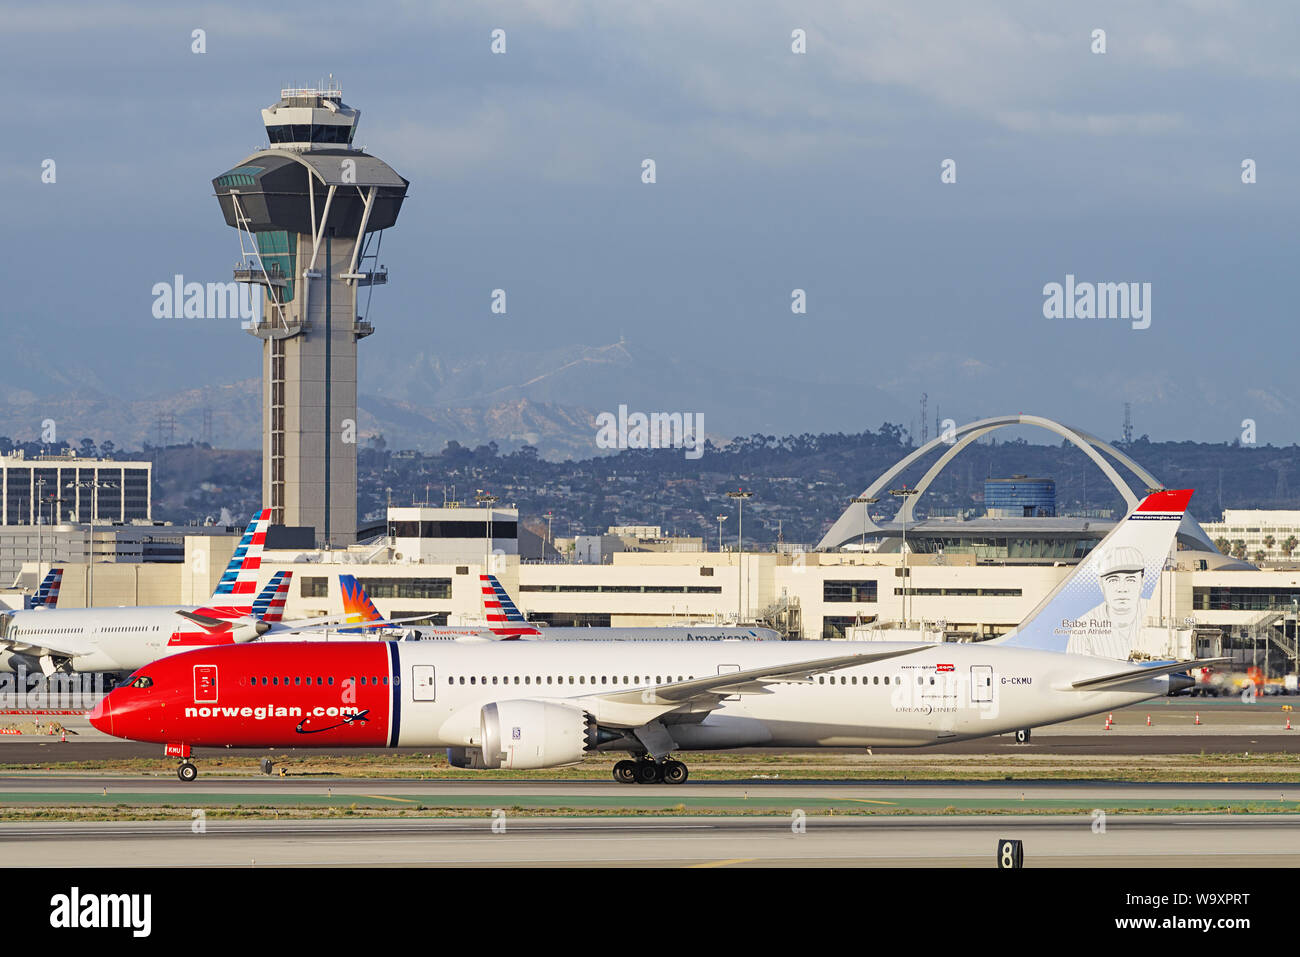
point(981, 684)
point(205, 684)
point(424, 683)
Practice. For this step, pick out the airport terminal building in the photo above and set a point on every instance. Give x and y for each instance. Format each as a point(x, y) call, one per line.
point(938, 578)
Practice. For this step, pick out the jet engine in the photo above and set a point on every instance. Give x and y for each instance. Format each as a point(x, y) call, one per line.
point(522, 734)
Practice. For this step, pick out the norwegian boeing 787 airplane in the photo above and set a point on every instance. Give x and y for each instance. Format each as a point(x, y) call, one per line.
point(542, 704)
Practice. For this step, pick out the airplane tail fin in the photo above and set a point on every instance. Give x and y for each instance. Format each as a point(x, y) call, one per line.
point(357, 605)
point(1098, 609)
point(269, 605)
point(235, 592)
point(47, 595)
point(502, 615)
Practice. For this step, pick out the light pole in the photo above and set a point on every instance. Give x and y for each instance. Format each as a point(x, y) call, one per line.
point(721, 519)
point(866, 502)
point(94, 485)
point(549, 540)
point(903, 494)
point(484, 498)
point(740, 495)
point(40, 538)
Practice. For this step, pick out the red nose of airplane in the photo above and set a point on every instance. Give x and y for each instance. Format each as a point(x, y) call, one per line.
point(101, 716)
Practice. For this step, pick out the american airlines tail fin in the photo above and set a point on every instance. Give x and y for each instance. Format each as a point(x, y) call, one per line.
point(503, 617)
point(234, 595)
point(1098, 609)
point(357, 605)
point(47, 595)
point(269, 605)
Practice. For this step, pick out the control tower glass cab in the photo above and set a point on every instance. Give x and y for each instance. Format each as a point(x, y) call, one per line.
point(310, 211)
point(310, 119)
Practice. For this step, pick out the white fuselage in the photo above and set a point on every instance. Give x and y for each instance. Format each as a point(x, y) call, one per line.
point(944, 692)
point(107, 639)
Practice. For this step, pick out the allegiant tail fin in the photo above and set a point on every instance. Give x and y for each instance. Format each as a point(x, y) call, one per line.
point(357, 605)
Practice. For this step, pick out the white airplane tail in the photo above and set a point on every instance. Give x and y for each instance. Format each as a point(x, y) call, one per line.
point(1098, 609)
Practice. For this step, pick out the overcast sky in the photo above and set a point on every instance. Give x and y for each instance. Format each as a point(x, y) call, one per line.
point(775, 171)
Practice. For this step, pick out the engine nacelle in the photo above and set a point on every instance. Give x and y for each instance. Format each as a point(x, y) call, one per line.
point(523, 734)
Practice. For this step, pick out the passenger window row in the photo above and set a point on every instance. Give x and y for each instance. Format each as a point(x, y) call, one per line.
point(300, 680)
point(875, 680)
point(634, 680)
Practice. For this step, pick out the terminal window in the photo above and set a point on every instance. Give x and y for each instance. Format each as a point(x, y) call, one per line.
point(407, 587)
point(848, 591)
point(313, 586)
point(458, 529)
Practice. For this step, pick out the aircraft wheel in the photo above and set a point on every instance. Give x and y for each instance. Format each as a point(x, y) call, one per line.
point(187, 772)
point(675, 772)
point(1022, 736)
point(649, 772)
point(625, 772)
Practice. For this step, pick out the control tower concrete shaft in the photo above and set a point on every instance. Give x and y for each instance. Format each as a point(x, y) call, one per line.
point(310, 211)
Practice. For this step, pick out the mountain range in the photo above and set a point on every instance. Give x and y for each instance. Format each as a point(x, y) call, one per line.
point(548, 399)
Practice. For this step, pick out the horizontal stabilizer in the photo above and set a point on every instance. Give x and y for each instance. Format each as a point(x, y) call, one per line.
point(203, 621)
point(1136, 674)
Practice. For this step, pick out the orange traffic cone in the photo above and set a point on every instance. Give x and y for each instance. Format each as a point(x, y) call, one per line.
point(1288, 724)
point(1198, 718)
point(1148, 721)
point(1107, 728)
point(63, 736)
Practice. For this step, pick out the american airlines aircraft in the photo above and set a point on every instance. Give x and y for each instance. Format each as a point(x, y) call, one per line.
point(548, 704)
point(47, 594)
point(123, 639)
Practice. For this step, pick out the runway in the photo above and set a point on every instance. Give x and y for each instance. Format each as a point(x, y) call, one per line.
point(748, 793)
point(319, 816)
point(1057, 841)
point(1227, 726)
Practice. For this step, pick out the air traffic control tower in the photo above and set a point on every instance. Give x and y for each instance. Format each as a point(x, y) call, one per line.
point(310, 211)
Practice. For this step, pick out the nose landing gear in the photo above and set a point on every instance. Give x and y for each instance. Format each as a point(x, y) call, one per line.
point(186, 771)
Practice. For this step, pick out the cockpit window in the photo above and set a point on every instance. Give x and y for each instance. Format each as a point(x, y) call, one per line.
point(144, 681)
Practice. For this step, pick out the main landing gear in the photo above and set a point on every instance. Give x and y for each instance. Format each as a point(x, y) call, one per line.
point(646, 770)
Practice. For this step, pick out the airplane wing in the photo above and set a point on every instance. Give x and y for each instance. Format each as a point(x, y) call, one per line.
point(637, 706)
point(60, 645)
point(1138, 673)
